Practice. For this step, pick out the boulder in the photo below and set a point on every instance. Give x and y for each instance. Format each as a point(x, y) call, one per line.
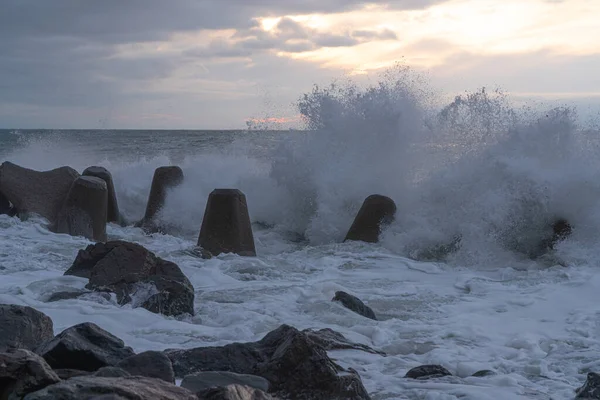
point(112, 210)
point(85, 347)
point(22, 372)
point(233, 392)
point(5, 207)
point(152, 364)
point(332, 340)
point(36, 192)
point(130, 388)
point(591, 388)
point(23, 327)
point(355, 304)
point(205, 380)
point(165, 178)
point(427, 372)
point(376, 211)
point(135, 274)
point(111, 372)
point(84, 211)
point(65, 373)
point(295, 366)
point(483, 373)
point(226, 226)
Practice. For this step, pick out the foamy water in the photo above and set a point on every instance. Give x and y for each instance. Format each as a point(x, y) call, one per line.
point(481, 170)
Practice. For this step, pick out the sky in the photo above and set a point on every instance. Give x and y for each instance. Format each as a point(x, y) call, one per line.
point(220, 64)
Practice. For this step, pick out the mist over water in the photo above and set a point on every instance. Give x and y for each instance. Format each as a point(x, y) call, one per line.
point(477, 172)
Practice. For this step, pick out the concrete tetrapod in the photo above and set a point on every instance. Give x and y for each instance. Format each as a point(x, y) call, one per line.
point(376, 211)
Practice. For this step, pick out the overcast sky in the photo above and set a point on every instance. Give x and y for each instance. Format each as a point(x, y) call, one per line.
point(193, 64)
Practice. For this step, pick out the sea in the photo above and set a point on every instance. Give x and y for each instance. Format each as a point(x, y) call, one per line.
point(458, 279)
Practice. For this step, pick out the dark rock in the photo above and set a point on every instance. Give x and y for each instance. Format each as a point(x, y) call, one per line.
point(5, 207)
point(108, 397)
point(85, 347)
point(23, 327)
point(332, 340)
point(483, 373)
point(152, 364)
point(233, 392)
point(165, 178)
point(22, 372)
point(36, 192)
point(205, 380)
point(438, 252)
point(130, 388)
point(296, 367)
point(84, 210)
point(427, 372)
point(112, 372)
point(112, 211)
point(57, 296)
point(66, 373)
point(591, 387)
point(561, 230)
point(355, 304)
point(131, 271)
point(226, 225)
point(376, 211)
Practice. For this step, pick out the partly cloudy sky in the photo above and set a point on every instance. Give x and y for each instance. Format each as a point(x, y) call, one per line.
point(215, 64)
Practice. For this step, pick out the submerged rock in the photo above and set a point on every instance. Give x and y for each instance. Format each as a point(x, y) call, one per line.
point(295, 365)
point(355, 304)
point(131, 388)
point(375, 212)
point(427, 372)
point(23, 327)
point(85, 347)
point(135, 273)
point(23, 372)
point(483, 373)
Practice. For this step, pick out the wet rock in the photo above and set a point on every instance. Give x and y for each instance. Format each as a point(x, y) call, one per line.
point(134, 273)
point(483, 373)
point(66, 373)
point(23, 327)
point(205, 380)
point(234, 392)
point(427, 372)
point(296, 366)
point(84, 210)
point(375, 212)
point(131, 388)
point(226, 226)
point(112, 210)
point(36, 192)
point(22, 372)
point(152, 364)
point(112, 372)
point(332, 340)
point(438, 252)
point(165, 179)
point(591, 387)
point(355, 304)
point(85, 347)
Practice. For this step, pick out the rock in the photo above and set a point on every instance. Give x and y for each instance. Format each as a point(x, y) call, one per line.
point(132, 272)
point(112, 372)
point(22, 372)
point(332, 340)
point(112, 210)
point(131, 388)
point(152, 364)
point(84, 211)
point(5, 207)
point(376, 211)
point(23, 327)
point(36, 192)
point(226, 225)
point(295, 366)
point(205, 380)
point(85, 347)
point(483, 373)
point(66, 373)
point(591, 387)
point(233, 392)
point(354, 304)
point(165, 178)
point(561, 230)
point(427, 372)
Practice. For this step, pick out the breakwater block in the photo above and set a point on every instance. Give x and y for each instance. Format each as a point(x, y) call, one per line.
point(375, 212)
point(84, 210)
point(5, 208)
point(226, 225)
point(112, 212)
point(36, 192)
point(165, 178)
